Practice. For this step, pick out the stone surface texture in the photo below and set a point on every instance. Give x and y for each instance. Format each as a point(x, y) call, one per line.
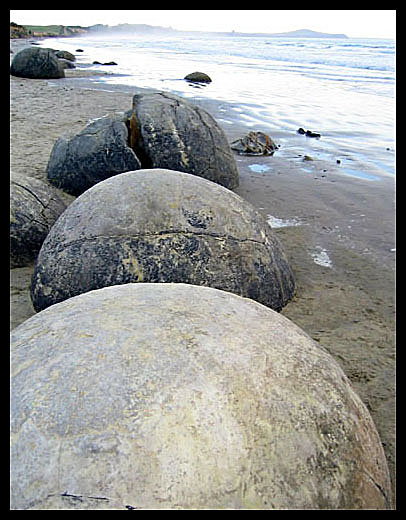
point(36, 63)
point(173, 396)
point(159, 225)
point(170, 132)
point(96, 153)
point(34, 208)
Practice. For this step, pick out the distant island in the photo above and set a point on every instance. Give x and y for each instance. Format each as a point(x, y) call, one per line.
point(305, 33)
point(27, 31)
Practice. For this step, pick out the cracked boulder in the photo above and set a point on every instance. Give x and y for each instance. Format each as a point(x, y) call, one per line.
point(99, 151)
point(174, 396)
point(36, 63)
point(170, 132)
point(34, 208)
point(159, 225)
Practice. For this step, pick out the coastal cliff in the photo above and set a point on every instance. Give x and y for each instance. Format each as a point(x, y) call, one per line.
point(18, 31)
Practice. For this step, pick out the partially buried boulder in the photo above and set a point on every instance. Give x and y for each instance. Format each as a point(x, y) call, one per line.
point(170, 132)
point(161, 226)
point(34, 208)
point(36, 63)
point(66, 55)
point(151, 396)
point(99, 151)
point(199, 77)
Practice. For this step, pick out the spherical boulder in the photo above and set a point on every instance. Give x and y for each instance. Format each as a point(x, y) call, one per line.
point(161, 226)
point(173, 396)
point(36, 63)
point(199, 77)
point(170, 132)
point(34, 208)
point(99, 151)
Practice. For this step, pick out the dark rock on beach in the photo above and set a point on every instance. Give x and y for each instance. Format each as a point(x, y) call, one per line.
point(308, 133)
point(254, 143)
point(170, 132)
point(65, 55)
point(199, 77)
point(99, 151)
point(34, 208)
point(159, 225)
point(108, 63)
point(67, 64)
point(36, 63)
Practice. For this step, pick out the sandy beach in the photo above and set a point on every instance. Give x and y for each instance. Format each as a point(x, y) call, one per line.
point(338, 232)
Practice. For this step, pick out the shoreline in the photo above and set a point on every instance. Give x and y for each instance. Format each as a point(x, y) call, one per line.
point(340, 239)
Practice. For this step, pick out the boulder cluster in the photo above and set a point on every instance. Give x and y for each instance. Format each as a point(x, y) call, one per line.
point(161, 131)
point(158, 372)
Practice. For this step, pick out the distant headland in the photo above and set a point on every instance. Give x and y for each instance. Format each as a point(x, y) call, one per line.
point(28, 31)
point(306, 33)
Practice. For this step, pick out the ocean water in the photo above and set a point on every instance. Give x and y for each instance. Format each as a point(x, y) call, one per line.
point(343, 89)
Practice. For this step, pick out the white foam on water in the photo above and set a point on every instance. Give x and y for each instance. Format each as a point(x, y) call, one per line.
point(276, 222)
point(258, 168)
point(320, 257)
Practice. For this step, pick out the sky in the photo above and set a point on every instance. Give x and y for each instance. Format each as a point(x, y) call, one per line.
point(354, 23)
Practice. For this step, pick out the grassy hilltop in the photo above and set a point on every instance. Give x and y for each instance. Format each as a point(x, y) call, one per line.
point(27, 31)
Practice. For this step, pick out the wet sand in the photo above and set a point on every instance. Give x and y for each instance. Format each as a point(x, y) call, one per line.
point(341, 244)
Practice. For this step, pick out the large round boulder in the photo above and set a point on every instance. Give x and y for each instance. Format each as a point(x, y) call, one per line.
point(99, 151)
point(36, 63)
point(170, 132)
point(161, 226)
point(34, 208)
point(173, 396)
